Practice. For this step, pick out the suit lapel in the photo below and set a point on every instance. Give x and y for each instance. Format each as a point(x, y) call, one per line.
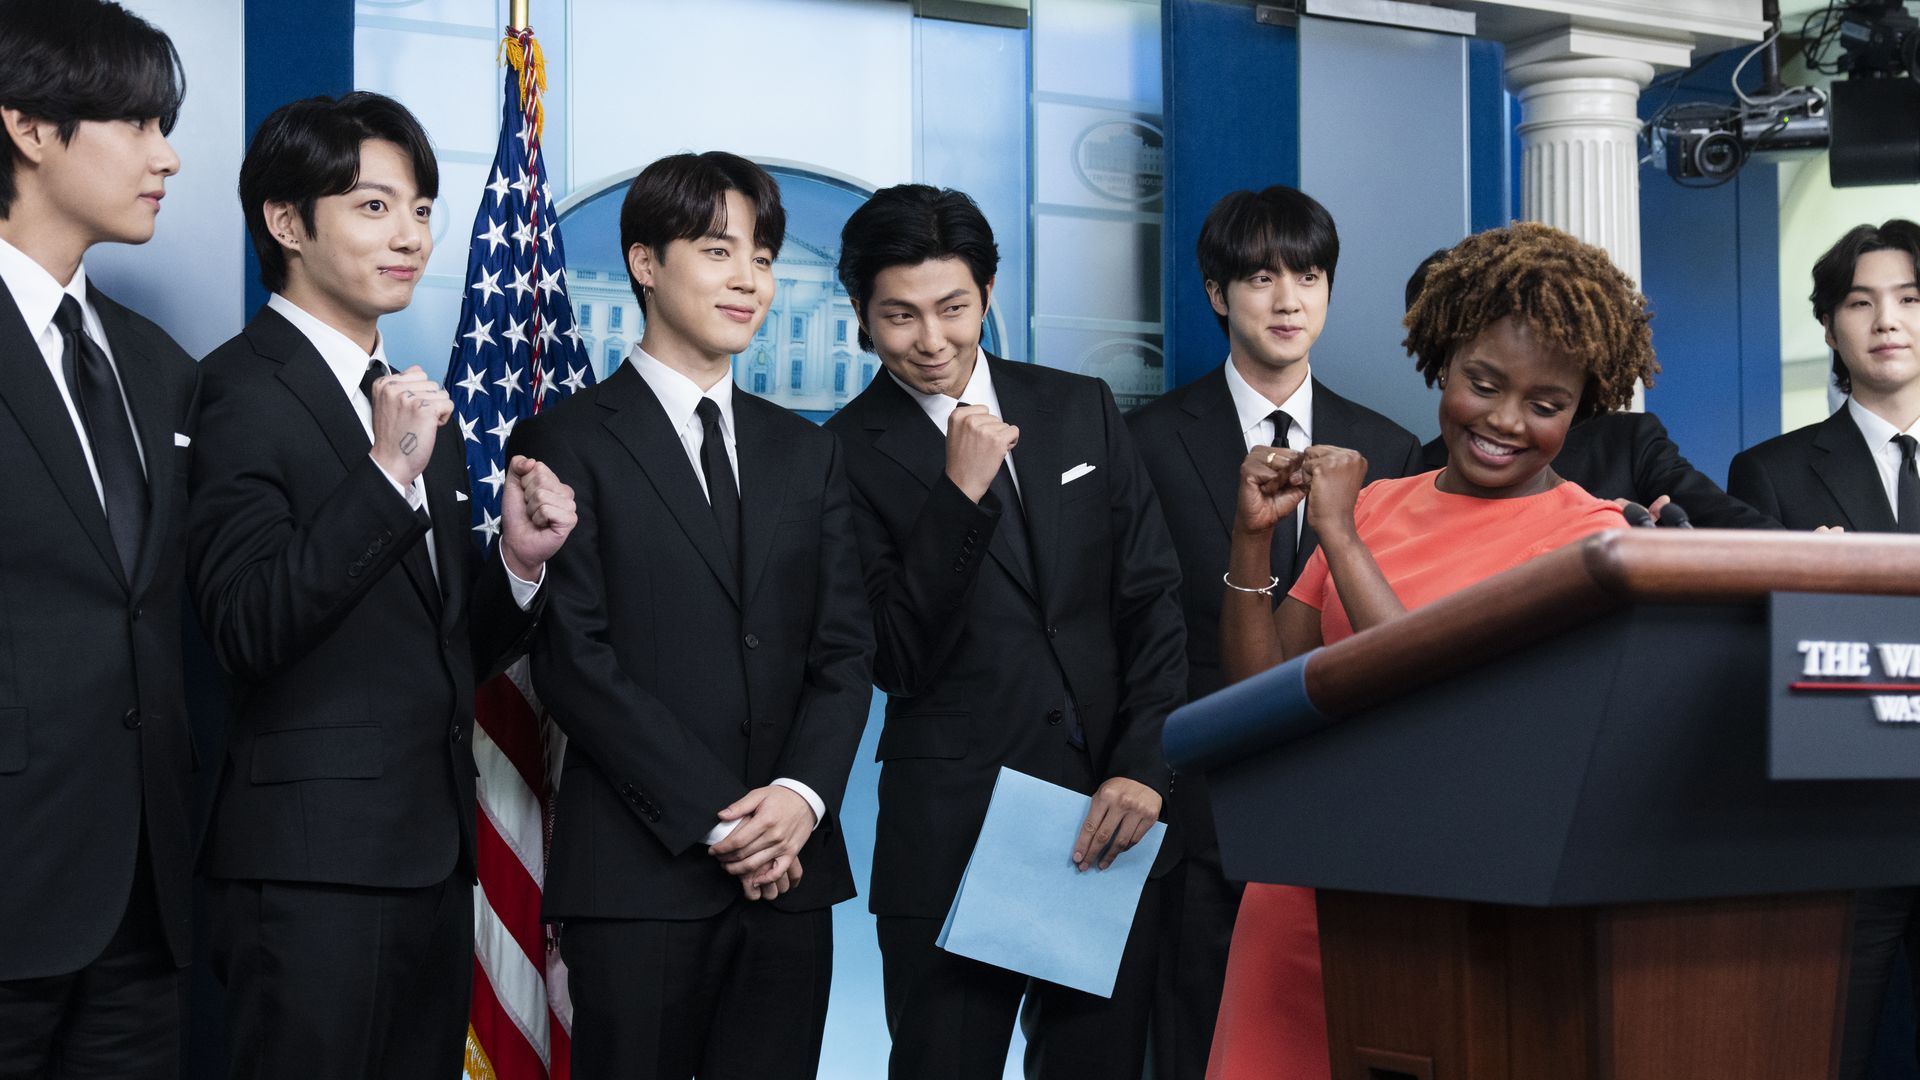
point(28, 391)
point(640, 424)
point(1843, 462)
point(1213, 441)
point(764, 468)
point(446, 475)
point(1037, 465)
point(153, 412)
point(305, 373)
point(903, 432)
point(312, 383)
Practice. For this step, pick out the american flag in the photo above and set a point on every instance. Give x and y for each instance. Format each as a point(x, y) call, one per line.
point(516, 349)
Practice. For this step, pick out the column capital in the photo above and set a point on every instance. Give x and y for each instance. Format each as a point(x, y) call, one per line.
point(1528, 76)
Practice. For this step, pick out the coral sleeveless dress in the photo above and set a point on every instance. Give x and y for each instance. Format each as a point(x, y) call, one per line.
point(1428, 543)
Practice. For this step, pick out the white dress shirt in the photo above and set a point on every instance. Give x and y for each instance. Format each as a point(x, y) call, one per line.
point(679, 397)
point(38, 296)
point(1879, 434)
point(939, 407)
point(1256, 429)
point(348, 363)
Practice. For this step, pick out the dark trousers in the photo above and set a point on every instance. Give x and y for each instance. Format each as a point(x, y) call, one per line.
point(344, 982)
point(1197, 909)
point(1883, 919)
point(741, 995)
point(951, 1018)
point(119, 1017)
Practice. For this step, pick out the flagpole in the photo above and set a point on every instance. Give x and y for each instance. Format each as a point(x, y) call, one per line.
point(517, 14)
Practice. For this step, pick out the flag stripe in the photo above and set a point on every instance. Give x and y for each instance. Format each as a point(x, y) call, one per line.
point(512, 808)
point(507, 1048)
point(512, 725)
point(513, 979)
point(513, 898)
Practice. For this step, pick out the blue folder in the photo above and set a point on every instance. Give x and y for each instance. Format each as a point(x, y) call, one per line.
point(1022, 905)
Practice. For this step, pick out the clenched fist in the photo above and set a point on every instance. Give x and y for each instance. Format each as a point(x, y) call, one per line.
point(977, 442)
point(408, 409)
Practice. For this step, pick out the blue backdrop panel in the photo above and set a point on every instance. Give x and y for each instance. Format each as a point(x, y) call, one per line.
point(1710, 268)
point(293, 51)
point(1232, 89)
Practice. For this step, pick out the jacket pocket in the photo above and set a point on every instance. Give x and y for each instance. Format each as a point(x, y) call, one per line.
point(925, 735)
point(13, 740)
point(352, 752)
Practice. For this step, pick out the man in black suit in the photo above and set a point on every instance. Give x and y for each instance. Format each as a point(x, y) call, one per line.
point(1855, 470)
point(1625, 456)
point(1267, 259)
point(334, 575)
point(1023, 591)
point(96, 415)
point(708, 656)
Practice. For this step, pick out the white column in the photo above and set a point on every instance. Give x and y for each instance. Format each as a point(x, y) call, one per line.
point(1580, 168)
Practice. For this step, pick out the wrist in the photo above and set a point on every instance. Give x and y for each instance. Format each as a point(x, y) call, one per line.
point(395, 465)
point(974, 491)
point(519, 567)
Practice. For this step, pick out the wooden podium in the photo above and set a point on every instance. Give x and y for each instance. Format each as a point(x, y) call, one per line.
point(1539, 816)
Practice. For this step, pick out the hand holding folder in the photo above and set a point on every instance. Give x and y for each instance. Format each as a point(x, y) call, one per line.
point(1022, 905)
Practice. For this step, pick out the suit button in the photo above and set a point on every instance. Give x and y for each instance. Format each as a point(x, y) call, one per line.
point(1054, 716)
point(138, 611)
point(746, 726)
point(1052, 632)
point(959, 566)
point(356, 569)
point(453, 734)
point(653, 816)
point(131, 721)
point(626, 791)
point(972, 535)
point(753, 641)
point(385, 535)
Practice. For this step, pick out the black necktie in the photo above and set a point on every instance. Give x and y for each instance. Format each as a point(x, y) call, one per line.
point(1906, 498)
point(103, 412)
point(722, 492)
point(1286, 533)
point(376, 369)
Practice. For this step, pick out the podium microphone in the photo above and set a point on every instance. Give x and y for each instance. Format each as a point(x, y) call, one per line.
point(1637, 515)
point(1673, 517)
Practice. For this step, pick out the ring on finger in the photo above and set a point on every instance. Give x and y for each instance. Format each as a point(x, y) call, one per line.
point(1270, 456)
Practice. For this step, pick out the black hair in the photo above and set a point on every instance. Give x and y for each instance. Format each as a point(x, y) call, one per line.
point(684, 197)
point(1277, 228)
point(309, 149)
point(1417, 282)
point(1833, 273)
point(82, 60)
point(906, 225)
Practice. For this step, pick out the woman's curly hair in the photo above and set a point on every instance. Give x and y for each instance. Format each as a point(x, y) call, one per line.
point(1569, 293)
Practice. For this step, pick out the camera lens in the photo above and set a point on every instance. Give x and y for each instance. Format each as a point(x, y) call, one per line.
point(1718, 155)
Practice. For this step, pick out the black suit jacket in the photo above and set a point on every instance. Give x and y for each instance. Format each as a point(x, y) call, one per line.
point(1628, 455)
point(679, 687)
point(93, 723)
point(1190, 439)
point(1821, 474)
point(350, 757)
point(979, 664)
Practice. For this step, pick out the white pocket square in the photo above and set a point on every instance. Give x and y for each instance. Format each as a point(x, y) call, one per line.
point(459, 496)
point(182, 440)
point(1075, 473)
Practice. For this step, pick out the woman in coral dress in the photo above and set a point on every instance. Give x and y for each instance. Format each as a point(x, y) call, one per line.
point(1524, 329)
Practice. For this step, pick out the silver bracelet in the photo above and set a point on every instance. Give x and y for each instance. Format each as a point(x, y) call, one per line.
point(1272, 584)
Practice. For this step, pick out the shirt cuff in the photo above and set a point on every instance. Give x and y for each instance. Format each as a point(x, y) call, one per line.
point(415, 499)
point(724, 829)
point(818, 807)
point(523, 590)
